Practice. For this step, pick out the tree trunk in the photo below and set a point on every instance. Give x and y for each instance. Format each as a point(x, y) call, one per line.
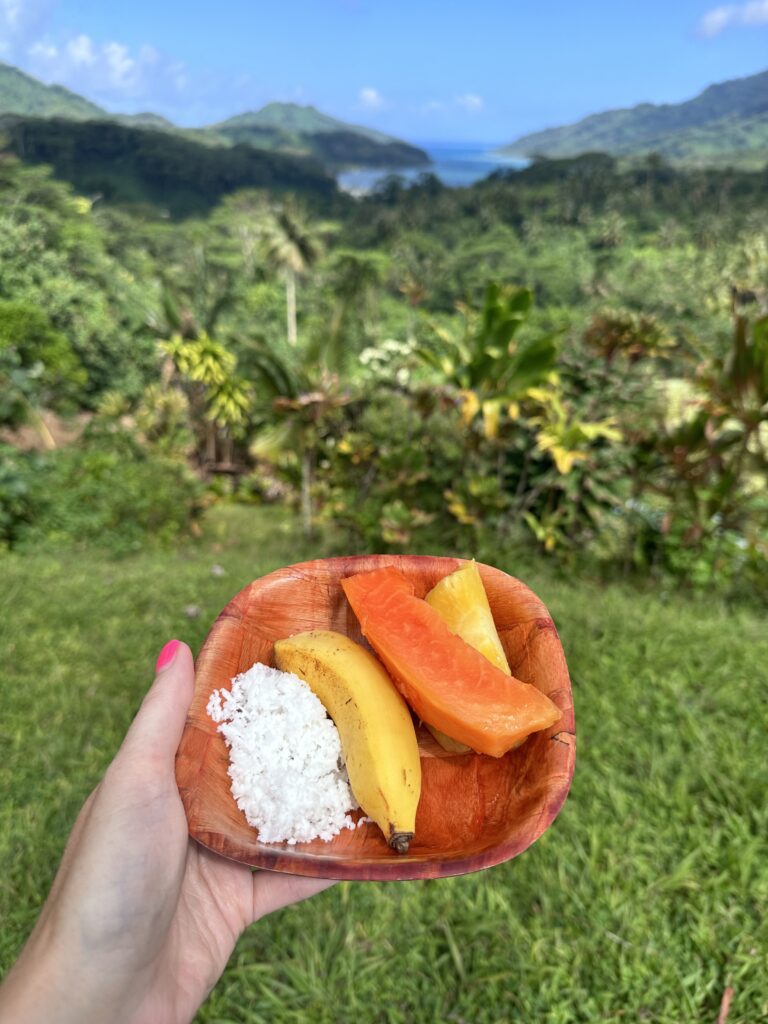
point(411, 326)
point(306, 492)
point(210, 442)
point(35, 416)
point(290, 304)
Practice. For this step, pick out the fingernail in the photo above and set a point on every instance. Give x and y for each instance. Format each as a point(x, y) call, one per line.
point(167, 655)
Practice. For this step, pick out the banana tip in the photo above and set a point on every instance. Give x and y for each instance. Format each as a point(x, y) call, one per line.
point(400, 841)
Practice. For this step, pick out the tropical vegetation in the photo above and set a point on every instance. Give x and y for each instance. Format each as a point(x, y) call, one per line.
point(573, 357)
point(563, 371)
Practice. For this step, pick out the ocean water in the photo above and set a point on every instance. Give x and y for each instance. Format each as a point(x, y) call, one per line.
point(456, 164)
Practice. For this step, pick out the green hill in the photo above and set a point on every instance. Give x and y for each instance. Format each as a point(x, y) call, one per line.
point(24, 95)
point(292, 128)
point(729, 119)
point(294, 119)
point(138, 165)
point(145, 119)
point(278, 127)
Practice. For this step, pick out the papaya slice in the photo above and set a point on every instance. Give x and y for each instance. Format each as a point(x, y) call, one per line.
point(446, 681)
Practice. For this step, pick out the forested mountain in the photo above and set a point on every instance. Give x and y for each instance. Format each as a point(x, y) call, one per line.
point(304, 129)
point(278, 127)
point(727, 119)
point(144, 119)
point(295, 119)
point(139, 165)
point(22, 94)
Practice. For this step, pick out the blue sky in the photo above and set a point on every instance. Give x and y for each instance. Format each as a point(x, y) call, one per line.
point(485, 70)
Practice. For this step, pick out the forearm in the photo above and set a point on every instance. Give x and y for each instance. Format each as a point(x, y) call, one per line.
point(52, 984)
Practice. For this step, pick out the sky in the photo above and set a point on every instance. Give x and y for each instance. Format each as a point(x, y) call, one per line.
point(425, 70)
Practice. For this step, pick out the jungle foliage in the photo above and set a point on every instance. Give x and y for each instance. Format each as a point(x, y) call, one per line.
point(572, 357)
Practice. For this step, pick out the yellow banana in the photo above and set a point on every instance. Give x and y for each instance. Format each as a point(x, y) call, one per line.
point(374, 723)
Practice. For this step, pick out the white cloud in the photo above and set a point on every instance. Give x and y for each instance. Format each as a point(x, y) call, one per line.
point(110, 73)
point(177, 73)
point(715, 21)
point(21, 22)
point(719, 18)
point(120, 65)
point(756, 13)
point(370, 98)
point(11, 12)
point(127, 78)
point(80, 49)
point(44, 50)
point(470, 101)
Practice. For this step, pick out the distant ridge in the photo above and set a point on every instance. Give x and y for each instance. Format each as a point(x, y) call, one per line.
point(278, 127)
point(22, 94)
point(296, 119)
point(289, 127)
point(146, 119)
point(726, 119)
point(133, 165)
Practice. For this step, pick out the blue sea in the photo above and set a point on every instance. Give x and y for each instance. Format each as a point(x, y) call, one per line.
point(456, 164)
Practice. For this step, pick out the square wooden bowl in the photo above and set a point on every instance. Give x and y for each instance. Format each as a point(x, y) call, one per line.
point(475, 811)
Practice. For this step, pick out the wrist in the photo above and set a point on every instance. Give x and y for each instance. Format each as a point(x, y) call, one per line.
point(51, 983)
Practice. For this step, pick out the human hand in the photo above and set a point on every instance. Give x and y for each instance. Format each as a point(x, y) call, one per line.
point(140, 920)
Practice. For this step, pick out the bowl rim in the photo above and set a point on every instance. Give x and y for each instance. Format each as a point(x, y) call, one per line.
point(288, 859)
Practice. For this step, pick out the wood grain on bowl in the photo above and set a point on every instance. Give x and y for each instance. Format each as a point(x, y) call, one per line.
point(475, 811)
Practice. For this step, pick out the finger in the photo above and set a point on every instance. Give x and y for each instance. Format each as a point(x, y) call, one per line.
point(156, 730)
point(271, 890)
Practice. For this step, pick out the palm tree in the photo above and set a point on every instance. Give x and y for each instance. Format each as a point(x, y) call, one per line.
point(302, 393)
point(415, 292)
point(354, 279)
point(294, 244)
point(219, 399)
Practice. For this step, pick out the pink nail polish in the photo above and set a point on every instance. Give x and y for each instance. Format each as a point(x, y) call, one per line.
point(167, 655)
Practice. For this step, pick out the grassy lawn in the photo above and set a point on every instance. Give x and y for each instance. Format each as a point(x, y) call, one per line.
point(647, 897)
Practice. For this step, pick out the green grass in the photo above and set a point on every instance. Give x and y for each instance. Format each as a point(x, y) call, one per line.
point(647, 897)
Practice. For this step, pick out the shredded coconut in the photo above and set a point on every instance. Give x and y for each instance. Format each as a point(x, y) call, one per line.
point(285, 760)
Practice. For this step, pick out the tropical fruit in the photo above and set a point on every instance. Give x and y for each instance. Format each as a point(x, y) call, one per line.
point(446, 681)
point(462, 603)
point(375, 726)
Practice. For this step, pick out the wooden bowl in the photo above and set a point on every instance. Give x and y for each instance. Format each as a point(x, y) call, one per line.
point(475, 811)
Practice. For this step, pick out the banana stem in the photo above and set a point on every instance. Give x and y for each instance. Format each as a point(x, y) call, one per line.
point(400, 841)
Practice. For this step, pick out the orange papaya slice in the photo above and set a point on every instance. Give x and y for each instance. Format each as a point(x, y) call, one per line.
point(446, 681)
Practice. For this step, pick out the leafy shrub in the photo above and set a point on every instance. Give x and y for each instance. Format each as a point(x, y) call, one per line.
point(107, 490)
point(54, 259)
point(16, 506)
point(670, 546)
point(704, 464)
point(384, 479)
point(37, 364)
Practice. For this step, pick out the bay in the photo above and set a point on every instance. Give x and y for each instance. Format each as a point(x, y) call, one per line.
point(456, 164)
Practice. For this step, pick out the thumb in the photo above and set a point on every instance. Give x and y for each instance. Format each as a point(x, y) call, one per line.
point(156, 730)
